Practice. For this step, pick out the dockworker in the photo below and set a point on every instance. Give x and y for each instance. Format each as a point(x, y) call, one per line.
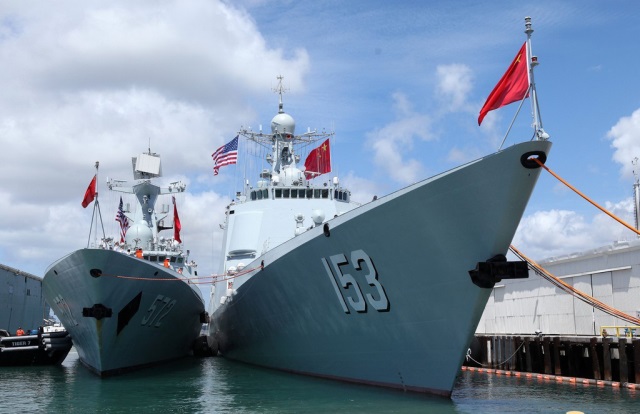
point(19, 332)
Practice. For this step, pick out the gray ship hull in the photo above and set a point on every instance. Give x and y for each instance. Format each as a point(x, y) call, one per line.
point(119, 324)
point(382, 294)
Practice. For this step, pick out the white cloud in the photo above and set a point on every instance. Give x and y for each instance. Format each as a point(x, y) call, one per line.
point(362, 189)
point(545, 234)
point(393, 143)
point(106, 81)
point(625, 137)
point(455, 82)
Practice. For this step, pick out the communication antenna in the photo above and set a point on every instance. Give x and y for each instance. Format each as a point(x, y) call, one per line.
point(280, 89)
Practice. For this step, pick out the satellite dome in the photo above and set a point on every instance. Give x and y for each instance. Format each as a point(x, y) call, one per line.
point(283, 123)
point(140, 233)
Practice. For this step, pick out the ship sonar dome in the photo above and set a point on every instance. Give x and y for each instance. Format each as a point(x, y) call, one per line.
point(283, 123)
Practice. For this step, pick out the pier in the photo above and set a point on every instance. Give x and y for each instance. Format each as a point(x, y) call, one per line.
point(594, 360)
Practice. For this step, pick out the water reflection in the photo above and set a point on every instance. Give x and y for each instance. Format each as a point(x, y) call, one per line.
point(215, 385)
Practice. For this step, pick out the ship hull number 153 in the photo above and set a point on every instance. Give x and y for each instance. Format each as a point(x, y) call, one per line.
point(350, 288)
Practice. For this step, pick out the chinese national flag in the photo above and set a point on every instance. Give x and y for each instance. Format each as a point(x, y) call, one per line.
point(512, 87)
point(176, 222)
point(318, 161)
point(90, 194)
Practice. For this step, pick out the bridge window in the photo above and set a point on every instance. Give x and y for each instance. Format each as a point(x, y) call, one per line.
point(253, 195)
point(294, 193)
point(285, 193)
point(325, 193)
point(265, 194)
point(309, 193)
point(278, 192)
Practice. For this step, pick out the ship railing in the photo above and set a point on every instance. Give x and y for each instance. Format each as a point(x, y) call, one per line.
point(628, 331)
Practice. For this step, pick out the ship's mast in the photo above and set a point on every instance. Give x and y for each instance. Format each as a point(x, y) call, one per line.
point(282, 144)
point(96, 215)
point(532, 62)
point(280, 89)
point(636, 194)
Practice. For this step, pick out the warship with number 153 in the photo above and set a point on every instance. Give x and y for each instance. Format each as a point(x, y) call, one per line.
point(388, 293)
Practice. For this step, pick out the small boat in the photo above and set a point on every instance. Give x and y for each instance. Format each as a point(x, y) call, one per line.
point(388, 293)
point(48, 345)
point(129, 304)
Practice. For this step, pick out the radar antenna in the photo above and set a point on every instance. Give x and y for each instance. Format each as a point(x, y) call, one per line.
point(280, 89)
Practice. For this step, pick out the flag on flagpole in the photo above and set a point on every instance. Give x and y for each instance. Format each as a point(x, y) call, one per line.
point(512, 87)
point(176, 222)
point(123, 220)
point(318, 161)
point(225, 155)
point(90, 194)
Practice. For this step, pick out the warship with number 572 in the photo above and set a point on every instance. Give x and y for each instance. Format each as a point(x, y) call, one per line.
point(127, 301)
point(387, 293)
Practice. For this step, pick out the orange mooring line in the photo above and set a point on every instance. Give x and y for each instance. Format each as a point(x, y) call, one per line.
point(586, 198)
point(590, 300)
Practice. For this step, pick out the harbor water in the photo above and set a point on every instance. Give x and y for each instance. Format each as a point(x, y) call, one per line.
point(215, 385)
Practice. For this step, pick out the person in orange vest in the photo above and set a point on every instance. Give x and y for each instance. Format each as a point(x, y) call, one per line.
point(166, 262)
point(19, 332)
point(139, 253)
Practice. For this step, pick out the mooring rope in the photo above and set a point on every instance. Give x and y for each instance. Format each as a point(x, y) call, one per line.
point(562, 285)
point(469, 357)
point(586, 198)
point(590, 300)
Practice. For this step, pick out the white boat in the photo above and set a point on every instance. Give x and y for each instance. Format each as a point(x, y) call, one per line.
point(388, 293)
point(123, 310)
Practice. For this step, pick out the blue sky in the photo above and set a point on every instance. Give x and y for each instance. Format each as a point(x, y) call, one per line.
point(400, 83)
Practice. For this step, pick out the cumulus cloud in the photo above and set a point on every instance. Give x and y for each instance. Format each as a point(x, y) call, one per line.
point(625, 139)
point(392, 144)
point(549, 233)
point(107, 81)
point(455, 82)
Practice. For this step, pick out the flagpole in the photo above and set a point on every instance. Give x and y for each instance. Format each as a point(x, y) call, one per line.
point(95, 206)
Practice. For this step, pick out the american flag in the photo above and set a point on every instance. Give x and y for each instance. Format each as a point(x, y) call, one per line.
point(123, 220)
point(225, 155)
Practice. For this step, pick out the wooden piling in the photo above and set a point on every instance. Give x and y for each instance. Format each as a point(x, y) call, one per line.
point(588, 359)
point(624, 368)
point(593, 353)
point(547, 355)
point(527, 351)
point(484, 350)
point(635, 344)
point(606, 358)
point(569, 355)
point(557, 370)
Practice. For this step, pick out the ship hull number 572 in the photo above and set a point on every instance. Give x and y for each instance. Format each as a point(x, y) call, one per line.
point(355, 291)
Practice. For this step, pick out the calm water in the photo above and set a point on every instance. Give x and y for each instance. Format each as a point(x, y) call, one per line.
point(214, 385)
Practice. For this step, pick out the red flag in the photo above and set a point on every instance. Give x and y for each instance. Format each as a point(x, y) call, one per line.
point(176, 222)
point(90, 194)
point(318, 161)
point(512, 87)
